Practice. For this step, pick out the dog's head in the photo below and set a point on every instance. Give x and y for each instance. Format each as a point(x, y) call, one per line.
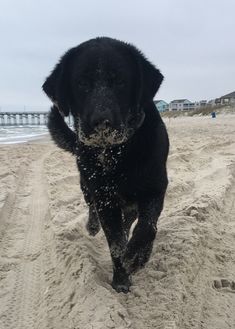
point(105, 84)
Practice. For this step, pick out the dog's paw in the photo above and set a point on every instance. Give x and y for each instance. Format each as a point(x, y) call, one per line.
point(136, 259)
point(93, 227)
point(121, 285)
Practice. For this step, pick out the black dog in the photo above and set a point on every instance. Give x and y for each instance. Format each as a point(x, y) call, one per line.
point(120, 142)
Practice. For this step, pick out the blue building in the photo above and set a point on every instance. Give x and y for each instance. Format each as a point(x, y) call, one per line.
point(161, 105)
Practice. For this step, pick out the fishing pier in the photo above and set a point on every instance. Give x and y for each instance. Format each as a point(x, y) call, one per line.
point(26, 119)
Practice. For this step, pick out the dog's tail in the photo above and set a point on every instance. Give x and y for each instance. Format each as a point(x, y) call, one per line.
point(61, 134)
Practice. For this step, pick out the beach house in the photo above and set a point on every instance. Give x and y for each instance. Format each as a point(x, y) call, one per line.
point(161, 105)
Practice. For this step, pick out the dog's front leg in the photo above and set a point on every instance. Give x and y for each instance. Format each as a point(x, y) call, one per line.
point(93, 224)
point(140, 245)
point(110, 217)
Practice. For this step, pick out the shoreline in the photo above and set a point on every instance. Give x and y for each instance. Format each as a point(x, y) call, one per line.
point(44, 137)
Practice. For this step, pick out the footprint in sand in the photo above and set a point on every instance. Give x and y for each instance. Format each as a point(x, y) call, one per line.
point(224, 285)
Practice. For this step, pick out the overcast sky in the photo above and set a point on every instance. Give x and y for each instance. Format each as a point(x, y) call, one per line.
point(190, 41)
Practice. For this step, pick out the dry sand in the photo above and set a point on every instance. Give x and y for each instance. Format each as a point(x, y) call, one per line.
point(54, 276)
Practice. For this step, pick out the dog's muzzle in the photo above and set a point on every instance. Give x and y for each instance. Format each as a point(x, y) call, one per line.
point(104, 137)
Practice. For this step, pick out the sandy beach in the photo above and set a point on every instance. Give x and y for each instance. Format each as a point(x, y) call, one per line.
point(53, 275)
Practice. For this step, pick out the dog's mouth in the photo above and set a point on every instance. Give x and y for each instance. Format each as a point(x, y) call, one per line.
point(105, 137)
point(108, 136)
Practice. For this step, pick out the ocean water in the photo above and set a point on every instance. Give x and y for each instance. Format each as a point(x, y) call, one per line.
point(21, 134)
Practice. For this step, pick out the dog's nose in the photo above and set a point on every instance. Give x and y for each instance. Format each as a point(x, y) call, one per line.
point(106, 124)
point(100, 121)
point(103, 125)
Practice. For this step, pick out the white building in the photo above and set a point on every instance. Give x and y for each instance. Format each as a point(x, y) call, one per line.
point(201, 104)
point(181, 105)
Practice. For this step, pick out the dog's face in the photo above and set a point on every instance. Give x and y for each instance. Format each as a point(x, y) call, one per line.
point(105, 84)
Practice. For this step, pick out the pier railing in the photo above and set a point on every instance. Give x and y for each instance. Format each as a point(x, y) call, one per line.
point(26, 119)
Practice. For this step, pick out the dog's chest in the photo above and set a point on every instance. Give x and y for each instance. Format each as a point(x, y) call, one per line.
point(101, 166)
point(108, 159)
point(103, 160)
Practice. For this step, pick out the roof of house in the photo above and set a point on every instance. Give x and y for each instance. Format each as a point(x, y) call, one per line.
point(159, 100)
point(180, 100)
point(231, 95)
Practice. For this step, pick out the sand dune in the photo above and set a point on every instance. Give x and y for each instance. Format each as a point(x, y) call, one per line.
point(54, 276)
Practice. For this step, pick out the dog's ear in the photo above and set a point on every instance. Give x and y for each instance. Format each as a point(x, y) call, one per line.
point(151, 78)
point(56, 86)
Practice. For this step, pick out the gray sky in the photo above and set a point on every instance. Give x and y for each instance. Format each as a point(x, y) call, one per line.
point(190, 41)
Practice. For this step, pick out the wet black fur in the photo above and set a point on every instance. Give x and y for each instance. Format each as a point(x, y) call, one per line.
point(121, 182)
